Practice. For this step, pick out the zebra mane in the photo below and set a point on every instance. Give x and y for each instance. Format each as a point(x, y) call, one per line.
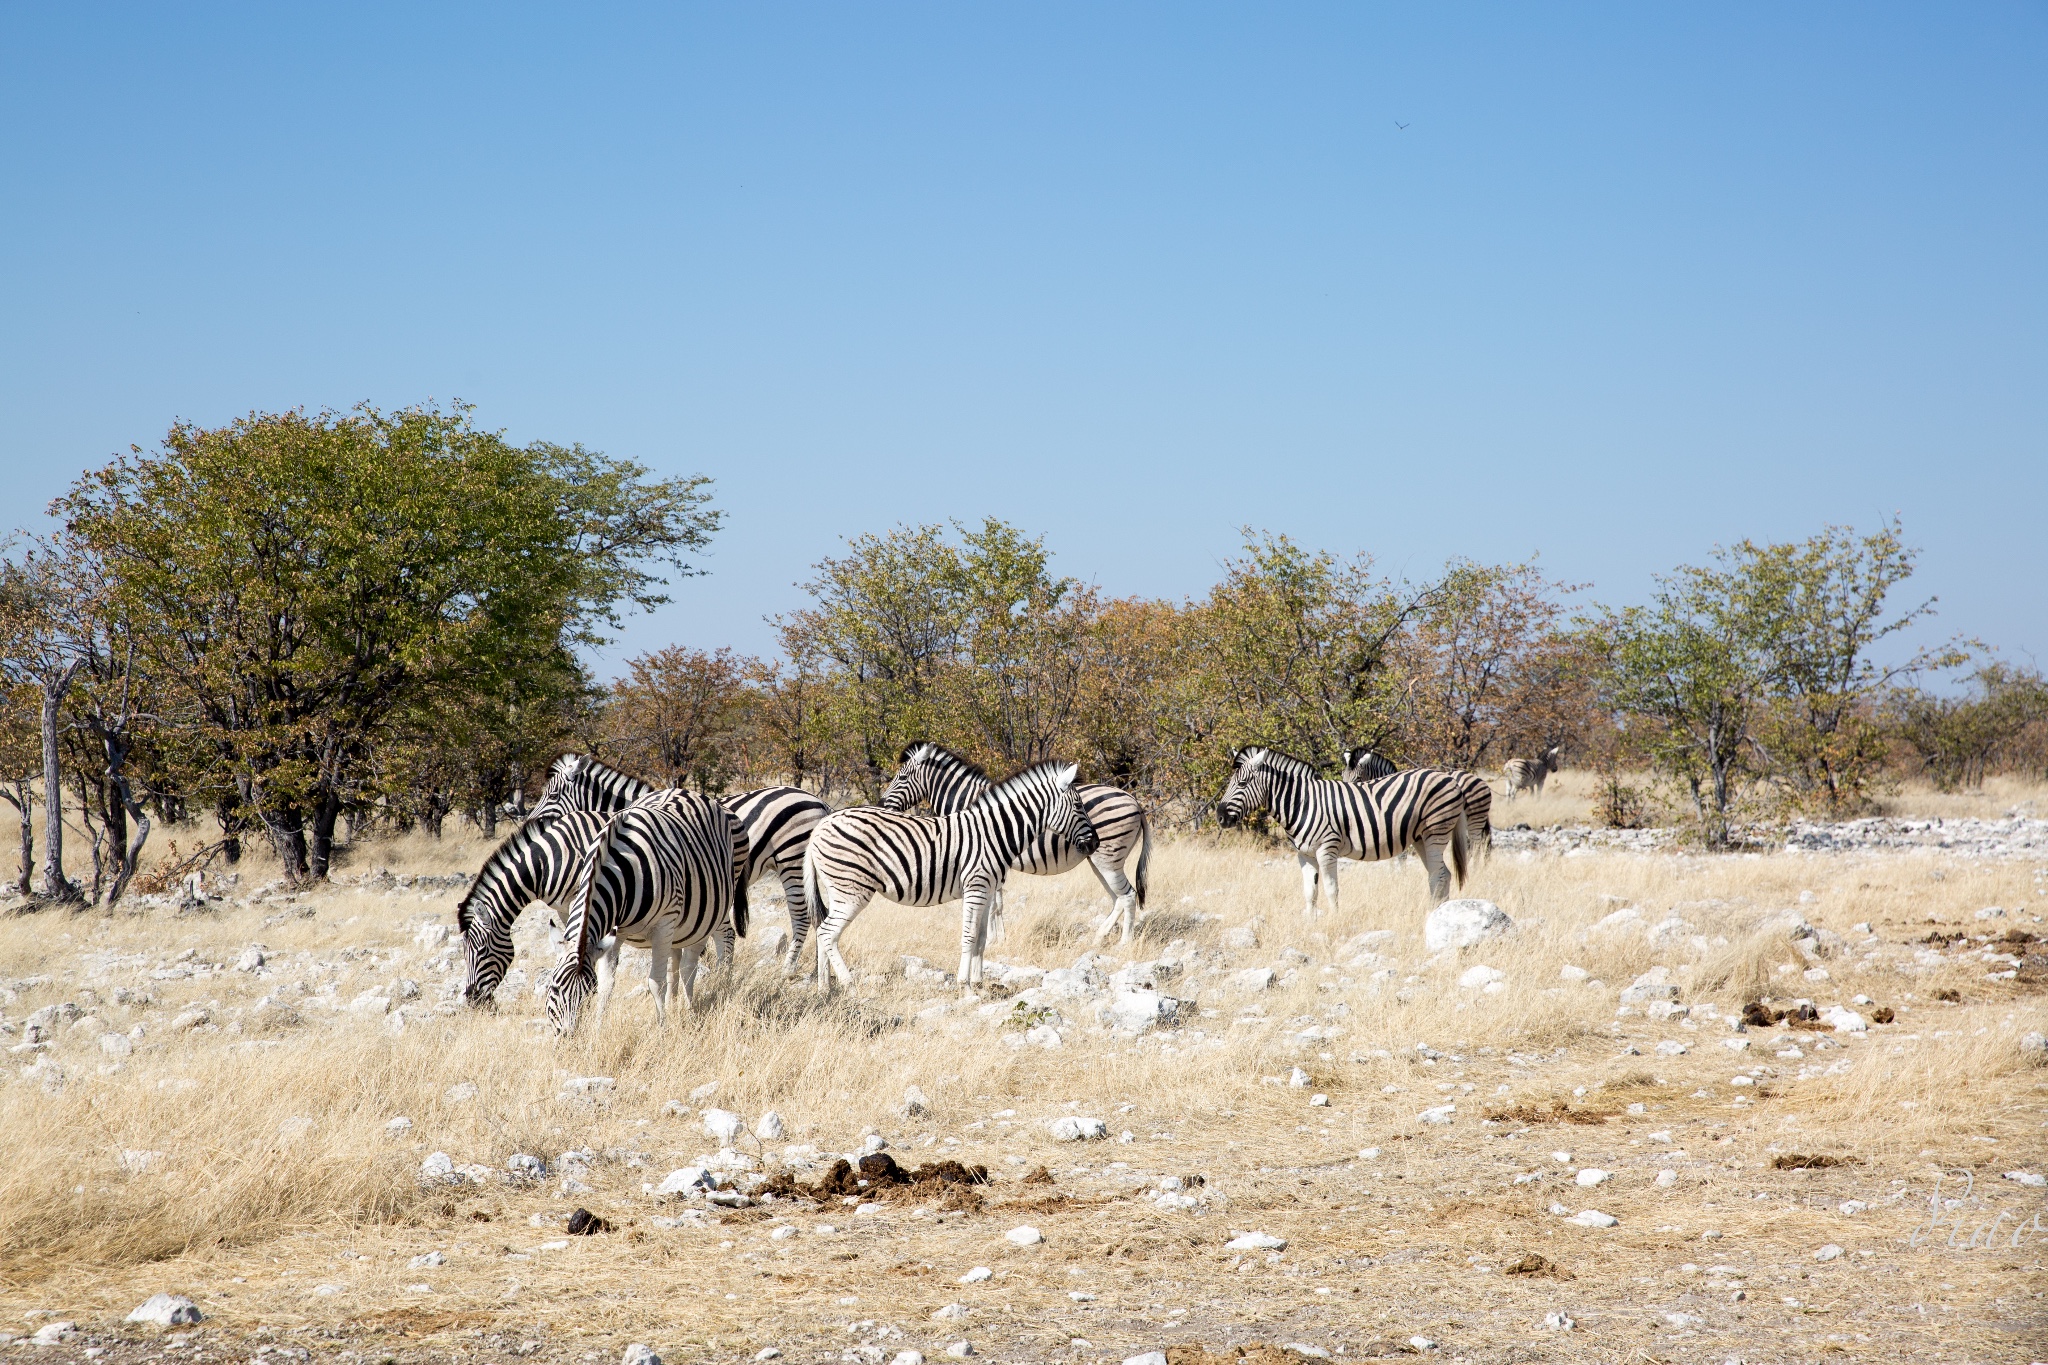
point(476, 882)
point(1052, 768)
point(938, 755)
point(1274, 759)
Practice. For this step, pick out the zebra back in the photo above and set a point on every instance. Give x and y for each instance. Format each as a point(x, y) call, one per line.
point(1377, 820)
point(777, 823)
point(1367, 765)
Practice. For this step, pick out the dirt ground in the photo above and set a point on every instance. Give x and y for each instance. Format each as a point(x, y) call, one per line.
point(1847, 1200)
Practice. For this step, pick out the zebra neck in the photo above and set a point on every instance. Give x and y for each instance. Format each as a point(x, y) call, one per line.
point(956, 791)
point(1291, 804)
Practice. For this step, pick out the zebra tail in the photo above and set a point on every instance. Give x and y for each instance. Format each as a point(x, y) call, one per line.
point(811, 901)
point(1460, 833)
point(1144, 856)
point(739, 905)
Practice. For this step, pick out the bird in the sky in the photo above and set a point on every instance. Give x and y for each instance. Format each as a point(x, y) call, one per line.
point(1402, 126)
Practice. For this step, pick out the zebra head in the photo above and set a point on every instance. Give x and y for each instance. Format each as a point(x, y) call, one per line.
point(1063, 814)
point(561, 793)
point(570, 983)
point(933, 775)
point(1250, 787)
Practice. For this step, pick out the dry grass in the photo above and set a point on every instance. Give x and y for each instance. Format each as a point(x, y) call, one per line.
point(277, 1174)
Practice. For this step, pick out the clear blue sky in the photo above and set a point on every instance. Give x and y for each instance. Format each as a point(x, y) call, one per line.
point(1633, 279)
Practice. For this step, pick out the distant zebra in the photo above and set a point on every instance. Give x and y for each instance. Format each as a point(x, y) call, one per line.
point(1529, 774)
point(536, 862)
point(1422, 808)
point(860, 853)
point(664, 874)
point(1367, 765)
point(945, 781)
point(776, 820)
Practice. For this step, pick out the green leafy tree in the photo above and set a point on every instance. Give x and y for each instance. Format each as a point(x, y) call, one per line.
point(304, 584)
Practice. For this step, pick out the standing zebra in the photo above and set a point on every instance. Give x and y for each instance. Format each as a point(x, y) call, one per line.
point(537, 862)
point(1422, 808)
point(1367, 765)
point(1529, 774)
point(776, 820)
point(945, 781)
point(663, 874)
point(862, 852)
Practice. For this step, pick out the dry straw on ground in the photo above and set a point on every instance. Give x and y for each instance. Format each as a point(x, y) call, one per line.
point(279, 1200)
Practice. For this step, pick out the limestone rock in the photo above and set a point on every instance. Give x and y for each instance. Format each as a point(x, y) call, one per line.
point(1075, 1128)
point(1464, 924)
point(167, 1310)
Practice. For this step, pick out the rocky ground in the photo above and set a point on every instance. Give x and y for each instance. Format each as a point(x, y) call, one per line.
point(1539, 1126)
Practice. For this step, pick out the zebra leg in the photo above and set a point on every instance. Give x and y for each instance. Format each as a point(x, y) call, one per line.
point(799, 915)
point(657, 970)
point(1124, 907)
point(1308, 884)
point(974, 913)
point(1328, 859)
point(686, 975)
point(994, 933)
point(728, 943)
point(842, 910)
point(1439, 874)
point(607, 972)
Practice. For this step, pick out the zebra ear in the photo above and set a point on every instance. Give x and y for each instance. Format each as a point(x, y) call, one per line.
point(904, 757)
point(1066, 774)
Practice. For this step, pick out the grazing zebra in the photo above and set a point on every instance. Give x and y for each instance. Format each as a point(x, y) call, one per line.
point(1367, 765)
point(862, 852)
point(776, 820)
point(663, 874)
point(945, 781)
point(1529, 774)
point(1422, 808)
point(536, 862)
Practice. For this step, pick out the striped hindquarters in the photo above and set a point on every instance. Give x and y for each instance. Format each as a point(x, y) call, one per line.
point(778, 822)
point(1420, 806)
point(912, 859)
point(670, 856)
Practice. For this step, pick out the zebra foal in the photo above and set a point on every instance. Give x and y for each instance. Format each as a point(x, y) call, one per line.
point(663, 874)
point(777, 822)
point(1421, 808)
point(938, 777)
point(865, 851)
point(1529, 774)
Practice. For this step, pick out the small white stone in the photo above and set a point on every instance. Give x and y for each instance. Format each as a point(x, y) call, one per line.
point(2033, 1180)
point(1559, 1322)
point(1256, 1241)
point(1075, 1128)
point(1851, 1207)
point(1024, 1237)
point(771, 1128)
point(55, 1333)
point(460, 1093)
point(907, 1358)
point(1671, 1047)
point(1591, 1176)
point(1570, 973)
point(426, 1261)
point(1830, 1252)
point(977, 1275)
point(1666, 1179)
point(1472, 978)
point(1423, 1343)
point(1318, 1101)
point(1464, 924)
point(1368, 1154)
point(167, 1310)
point(952, 1312)
point(1147, 1358)
point(1593, 1218)
point(773, 1352)
point(782, 1234)
point(1440, 1114)
point(639, 1353)
point(723, 1124)
point(399, 1126)
point(438, 1166)
point(960, 1350)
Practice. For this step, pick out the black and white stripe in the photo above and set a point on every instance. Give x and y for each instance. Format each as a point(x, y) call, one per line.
point(1367, 765)
point(933, 775)
point(777, 822)
point(1421, 808)
point(536, 862)
point(858, 854)
point(1529, 774)
point(663, 874)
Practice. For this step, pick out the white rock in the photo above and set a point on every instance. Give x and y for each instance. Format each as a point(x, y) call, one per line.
point(960, 1350)
point(1845, 1020)
point(116, 1044)
point(977, 1275)
point(907, 1358)
point(1074, 1128)
point(1628, 918)
point(398, 1127)
point(916, 1104)
point(1440, 1114)
point(1318, 1101)
point(1135, 1011)
point(1423, 1343)
point(1991, 912)
point(1297, 1078)
point(1256, 1241)
point(1830, 1252)
point(2033, 1180)
point(1736, 1044)
point(1559, 1322)
point(639, 1353)
point(1570, 973)
point(190, 1019)
point(1252, 979)
point(1472, 978)
point(2034, 1047)
point(1368, 1154)
point(684, 1181)
point(1593, 1218)
point(460, 1093)
point(55, 1333)
point(782, 1234)
point(1464, 924)
point(771, 1353)
point(167, 1310)
point(1671, 1047)
point(1592, 1176)
point(1242, 937)
point(1666, 1179)
point(1024, 1237)
point(1045, 1036)
point(952, 1312)
point(1147, 1358)
point(591, 1086)
point(439, 1167)
point(723, 1124)
point(1302, 1348)
point(771, 1128)
point(1654, 984)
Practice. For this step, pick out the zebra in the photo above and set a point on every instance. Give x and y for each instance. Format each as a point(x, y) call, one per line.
point(947, 782)
point(1367, 765)
point(1421, 808)
point(777, 821)
point(664, 873)
point(536, 862)
point(864, 851)
point(1529, 774)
